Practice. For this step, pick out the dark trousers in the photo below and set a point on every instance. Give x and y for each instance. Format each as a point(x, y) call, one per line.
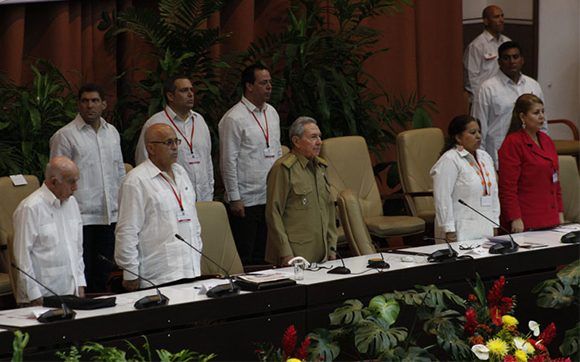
point(250, 234)
point(98, 240)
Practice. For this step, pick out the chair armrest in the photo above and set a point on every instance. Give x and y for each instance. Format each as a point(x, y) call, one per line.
point(353, 223)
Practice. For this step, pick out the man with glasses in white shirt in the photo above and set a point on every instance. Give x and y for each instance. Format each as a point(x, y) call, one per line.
point(48, 237)
point(95, 146)
point(191, 129)
point(157, 201)
point(249, 145)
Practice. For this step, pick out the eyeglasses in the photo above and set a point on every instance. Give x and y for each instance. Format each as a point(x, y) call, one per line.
point(169, 143)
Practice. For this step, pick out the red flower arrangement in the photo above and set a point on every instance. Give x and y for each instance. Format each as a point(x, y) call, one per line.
point(290, 348)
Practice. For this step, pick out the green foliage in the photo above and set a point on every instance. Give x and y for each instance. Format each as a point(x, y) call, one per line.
point(571, 344)
point(372, 332)
point(321, 70)
point(98, 352)
point(559, 293)
point(323, 344)
point(18, 344)
point(30, 115)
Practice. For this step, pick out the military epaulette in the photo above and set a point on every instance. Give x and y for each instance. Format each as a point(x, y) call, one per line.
point(290, 160)
point(322, 161)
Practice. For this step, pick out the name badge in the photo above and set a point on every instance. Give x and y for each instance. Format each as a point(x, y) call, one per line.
point(486, 201)
point(555, 177)
point(183, 216)
point(269, 152)
point(191, 159)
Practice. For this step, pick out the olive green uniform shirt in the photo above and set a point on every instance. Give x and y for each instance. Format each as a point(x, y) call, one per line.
point(300, 212)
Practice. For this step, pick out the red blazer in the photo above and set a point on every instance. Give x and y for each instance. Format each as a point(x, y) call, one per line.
point(526, 186)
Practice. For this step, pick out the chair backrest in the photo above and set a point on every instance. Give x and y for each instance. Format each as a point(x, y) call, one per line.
point(11, 198)
point(563, 129)
point(218, 242)
point(349, 167)
point(570, 184)
point(356, 232)
point(417, 152)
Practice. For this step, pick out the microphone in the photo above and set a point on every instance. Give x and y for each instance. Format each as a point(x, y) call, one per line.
point(501, 247)
point(222, 290)
point(376, 263)
point(443, 254)
point(53, 315)
point(339, 269)
point(147, 301)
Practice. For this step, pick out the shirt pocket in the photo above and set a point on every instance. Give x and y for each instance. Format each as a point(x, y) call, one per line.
point(302, 196)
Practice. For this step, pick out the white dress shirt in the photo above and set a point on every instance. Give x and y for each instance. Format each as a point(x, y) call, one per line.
point(455, 177)
point(493, 107)
point(480, 60)
point(100, 161)
point(149, 217)
point(197, 161)
point(48, 244)
point(245, 156)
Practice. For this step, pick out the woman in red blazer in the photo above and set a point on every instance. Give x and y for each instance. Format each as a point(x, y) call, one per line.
point(529, 186)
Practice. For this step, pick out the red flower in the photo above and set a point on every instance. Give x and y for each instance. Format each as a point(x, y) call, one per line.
point(473, 340)
point(538, 358)
point(509, 358)
point(495, 315)
point(472, 298)
point(548, 334)
point(289, 340)
point(470, 321)
point(302, 352)
point(505, 305)
point(495, 292)
point(539, 346)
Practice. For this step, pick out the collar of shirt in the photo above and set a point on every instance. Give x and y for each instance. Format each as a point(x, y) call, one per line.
point(305, 161)
point(174, 117)
point(507, 80)
point(490, 37)
point(80, 122)
point(49, 197)
point(154, 171)
point(252, 107)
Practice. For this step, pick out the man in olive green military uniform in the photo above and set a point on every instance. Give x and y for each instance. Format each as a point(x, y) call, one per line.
point(300, 212)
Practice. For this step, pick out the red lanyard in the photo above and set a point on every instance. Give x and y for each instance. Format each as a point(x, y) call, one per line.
point(177, 196)
point(480, 171)
point(190, 143)
point(265, 133)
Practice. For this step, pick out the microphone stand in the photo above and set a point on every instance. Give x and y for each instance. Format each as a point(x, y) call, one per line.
point(222, 290)
point(375, 263)
point(53, 315)
point(498, 248)
point(148, 301)
point(339, 269)
point(443, 254)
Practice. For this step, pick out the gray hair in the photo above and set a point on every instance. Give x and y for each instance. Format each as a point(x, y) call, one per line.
point(57, 166)
point(297, 127)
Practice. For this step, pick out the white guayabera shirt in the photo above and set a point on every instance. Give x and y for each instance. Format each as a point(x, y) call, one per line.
point(48, 244)
point(149, 217)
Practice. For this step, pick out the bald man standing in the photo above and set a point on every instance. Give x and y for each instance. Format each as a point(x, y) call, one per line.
point(48, 236)
point(157, 201)
point(480, 58)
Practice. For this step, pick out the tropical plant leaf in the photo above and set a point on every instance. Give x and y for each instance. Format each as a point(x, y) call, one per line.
point(570, 275)
point(386, 309)
point(322, 345)
point(350, 313)
point(373, 336)
point(553, 294)
point(570, 345)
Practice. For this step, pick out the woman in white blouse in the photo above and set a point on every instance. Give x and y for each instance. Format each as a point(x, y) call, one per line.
point(464, 172)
